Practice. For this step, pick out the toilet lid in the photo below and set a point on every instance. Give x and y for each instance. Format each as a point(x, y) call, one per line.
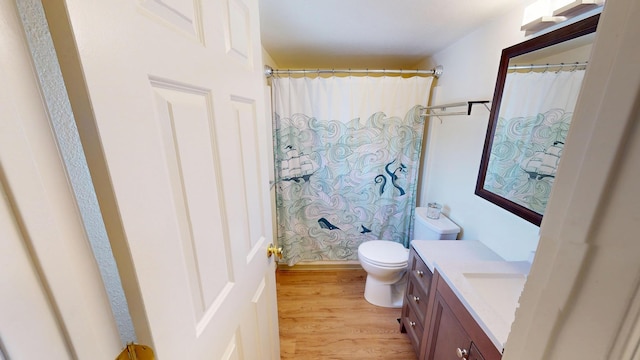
point(384, 252)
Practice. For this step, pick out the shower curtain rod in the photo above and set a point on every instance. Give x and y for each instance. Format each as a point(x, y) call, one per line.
point(547, 66)
point(269, 71)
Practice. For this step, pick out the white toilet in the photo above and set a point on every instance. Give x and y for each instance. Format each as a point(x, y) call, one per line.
point(386, 261)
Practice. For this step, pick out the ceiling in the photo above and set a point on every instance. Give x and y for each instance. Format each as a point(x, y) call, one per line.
point(375, 34)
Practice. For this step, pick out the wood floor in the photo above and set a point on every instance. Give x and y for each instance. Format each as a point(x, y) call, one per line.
point(323, 315)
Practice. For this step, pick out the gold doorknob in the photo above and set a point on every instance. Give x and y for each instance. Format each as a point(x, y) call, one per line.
point(272, 250)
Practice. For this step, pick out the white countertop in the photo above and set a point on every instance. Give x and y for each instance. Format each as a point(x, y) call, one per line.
point(436, 251)
point(488, 286)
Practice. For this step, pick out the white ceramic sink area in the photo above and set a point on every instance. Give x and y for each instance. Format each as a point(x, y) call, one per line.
point(500, 291)
point(487, 285)
point(436, 251)
point(490, 290)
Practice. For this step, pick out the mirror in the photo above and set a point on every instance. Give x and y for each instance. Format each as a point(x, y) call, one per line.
point(536, 90)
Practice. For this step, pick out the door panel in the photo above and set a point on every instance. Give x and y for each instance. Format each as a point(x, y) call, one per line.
point(237, 31)
point(183, 16)
point(247, 131)
point(187, 129)
point(232, 352)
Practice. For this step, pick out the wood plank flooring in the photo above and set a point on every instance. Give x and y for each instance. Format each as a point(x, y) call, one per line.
point(323, 315)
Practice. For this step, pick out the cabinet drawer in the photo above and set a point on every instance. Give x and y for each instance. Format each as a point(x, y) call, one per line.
point(413, 325)
point(419, 272)
point(416, 297)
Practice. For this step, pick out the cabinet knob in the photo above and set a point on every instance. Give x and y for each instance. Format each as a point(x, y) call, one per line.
point(420, 273)
point(416, 298)
point(462, 353)
point(412, 323)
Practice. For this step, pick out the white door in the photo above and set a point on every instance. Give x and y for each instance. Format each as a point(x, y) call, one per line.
point(53, 304)
point(169, 99)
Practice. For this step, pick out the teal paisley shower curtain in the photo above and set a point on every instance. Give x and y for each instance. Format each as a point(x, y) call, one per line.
point(347, 154)
point(535, 116)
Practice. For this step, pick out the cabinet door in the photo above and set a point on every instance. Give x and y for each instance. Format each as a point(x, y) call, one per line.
point(474, 353)
point(451, 327)
point(446, 333)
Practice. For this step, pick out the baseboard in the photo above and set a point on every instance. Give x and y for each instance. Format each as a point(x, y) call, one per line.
point(321, 265)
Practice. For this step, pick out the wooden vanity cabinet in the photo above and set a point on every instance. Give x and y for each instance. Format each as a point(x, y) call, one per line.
point(437, 323)
point(451, 330)
point(414, 307)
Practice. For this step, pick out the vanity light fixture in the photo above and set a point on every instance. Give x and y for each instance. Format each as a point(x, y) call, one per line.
point(539, 16)
point(542, 14)
point(571, 8)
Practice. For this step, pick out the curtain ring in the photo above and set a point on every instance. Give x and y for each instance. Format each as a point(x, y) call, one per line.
point(560, 68)
point(546, 68)
point(531, 68)
point(575, 67)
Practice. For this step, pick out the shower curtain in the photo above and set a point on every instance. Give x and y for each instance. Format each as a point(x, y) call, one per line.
point(535, 114)
point(347, 152)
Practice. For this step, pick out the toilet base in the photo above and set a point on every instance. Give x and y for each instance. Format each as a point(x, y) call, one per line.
point(385, 295)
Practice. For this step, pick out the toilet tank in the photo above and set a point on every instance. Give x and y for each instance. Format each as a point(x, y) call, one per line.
point(433, 229)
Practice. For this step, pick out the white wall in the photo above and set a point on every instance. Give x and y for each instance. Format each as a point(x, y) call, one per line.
point(267, 59)
point(454, 145)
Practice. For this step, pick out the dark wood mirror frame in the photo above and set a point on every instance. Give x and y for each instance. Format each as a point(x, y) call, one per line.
point(560, 35)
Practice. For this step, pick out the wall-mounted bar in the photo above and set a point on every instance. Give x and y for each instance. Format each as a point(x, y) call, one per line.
point(443, 108)
point(269, 71)
point(561, 66)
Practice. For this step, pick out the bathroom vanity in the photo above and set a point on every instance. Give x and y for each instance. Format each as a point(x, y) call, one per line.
point(460, 299)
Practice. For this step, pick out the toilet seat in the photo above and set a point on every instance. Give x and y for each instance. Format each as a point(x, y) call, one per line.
point(384, 253)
